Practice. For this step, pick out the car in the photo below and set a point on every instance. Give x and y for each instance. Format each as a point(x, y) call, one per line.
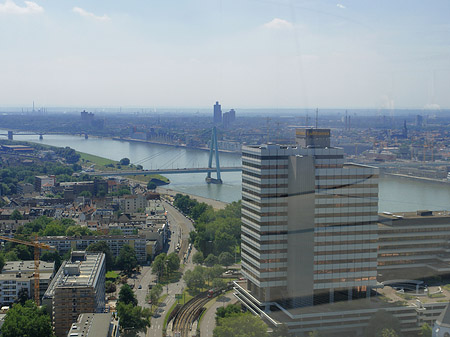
point(140, 287)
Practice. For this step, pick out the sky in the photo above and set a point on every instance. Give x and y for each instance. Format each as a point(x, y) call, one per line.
point(244, 53)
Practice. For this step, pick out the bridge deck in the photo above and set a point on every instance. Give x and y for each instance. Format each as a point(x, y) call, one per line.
point(164, 171)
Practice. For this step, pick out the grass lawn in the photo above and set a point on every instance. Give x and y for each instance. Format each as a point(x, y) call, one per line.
point(111, 275)
point(100, 165)
point(95, 159)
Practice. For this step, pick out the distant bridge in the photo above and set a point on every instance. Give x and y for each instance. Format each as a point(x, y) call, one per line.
point(164, 171)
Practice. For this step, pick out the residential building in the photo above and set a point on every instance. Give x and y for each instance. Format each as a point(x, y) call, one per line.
point(132, 203)
point(78, 287)
point(95, 325)
point(19, 275)
point(43, 181)
point(63, 244)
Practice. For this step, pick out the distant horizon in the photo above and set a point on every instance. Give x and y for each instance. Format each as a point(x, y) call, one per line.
point(145, 110)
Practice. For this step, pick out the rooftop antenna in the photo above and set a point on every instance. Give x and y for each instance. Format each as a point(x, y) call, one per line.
point(317, 116)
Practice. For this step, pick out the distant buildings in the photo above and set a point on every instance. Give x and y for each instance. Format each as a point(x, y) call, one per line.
point(229, 118)
point(78, 287)
point(44, 183)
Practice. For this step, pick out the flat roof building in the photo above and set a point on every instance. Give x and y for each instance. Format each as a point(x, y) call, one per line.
point(95, 325)
point(78, 287)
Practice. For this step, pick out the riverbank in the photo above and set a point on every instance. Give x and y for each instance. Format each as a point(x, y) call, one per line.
point(216, 204)
point(424, 179)
point(184, 146)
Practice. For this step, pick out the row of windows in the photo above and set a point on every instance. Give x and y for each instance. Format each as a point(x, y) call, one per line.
point(275, 204)
point(268, 223)
point(259, 157)
point(337, 224)
point(252, 183)
point(330, 233)
point(350, 196)
point(264, 213)
point(414, 238)
point(352, 185)
point(345, 270)
point(347, 251)
point(347, 176)
point(264, 176)
point(264, 167)
point(345, 242)
point(353, 204)
point(343, 279)
point(370, 259)
point(404, 254)
point(425, 245)
point(415, 230)
point(268, 195)
point(343, 215)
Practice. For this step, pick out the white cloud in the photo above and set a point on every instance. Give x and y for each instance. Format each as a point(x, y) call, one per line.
point(90, 15)
point(340, 6)
point(279, 24)
point(10, 7)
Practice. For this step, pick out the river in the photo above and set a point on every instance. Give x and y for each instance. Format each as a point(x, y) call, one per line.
point(395, 194)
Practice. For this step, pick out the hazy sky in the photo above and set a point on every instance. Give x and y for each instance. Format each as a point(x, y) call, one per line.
point(244, 53)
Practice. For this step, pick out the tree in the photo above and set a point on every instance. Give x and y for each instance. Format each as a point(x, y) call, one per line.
point(126, 295)
point(151, 185)
point(173, 262)
point(425, 330)
point(115, 231)
point(22, 296)
point(211, 260)
point(126, 260)
point(245, 325)
point(195, 279)
point(159, 265)
point(226, 259)
point(155, 293)
point(198, 258)
point(389, 321)
point(281, 331)
point(2, 261)
point(133, 319)
point(52, 256)
point(85, 194)
point(228, 311)
point(110, 287)
point(387, 333)
point(27, 320)
point(16, 215)
point(78, 230)
point(124, 161)
point(102, 247)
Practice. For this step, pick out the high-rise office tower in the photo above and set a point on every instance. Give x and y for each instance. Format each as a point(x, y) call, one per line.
point(309, 223)
point(217, 113)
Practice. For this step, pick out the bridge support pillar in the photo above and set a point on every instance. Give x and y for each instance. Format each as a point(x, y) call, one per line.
point(214, 150)
point(41, 136)
point(10, 135)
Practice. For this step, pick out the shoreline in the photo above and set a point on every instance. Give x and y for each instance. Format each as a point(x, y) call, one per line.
point(423, 179)
point(216, 204)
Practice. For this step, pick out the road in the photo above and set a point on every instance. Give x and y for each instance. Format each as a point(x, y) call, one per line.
point(180, 227)
point(208, 322)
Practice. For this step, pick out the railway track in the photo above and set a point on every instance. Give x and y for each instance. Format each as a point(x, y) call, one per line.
point(188, 314)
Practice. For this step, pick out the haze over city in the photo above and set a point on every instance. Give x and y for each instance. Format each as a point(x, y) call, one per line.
point(253, 54)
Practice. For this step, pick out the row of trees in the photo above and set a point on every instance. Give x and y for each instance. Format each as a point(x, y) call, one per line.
point(216, 232)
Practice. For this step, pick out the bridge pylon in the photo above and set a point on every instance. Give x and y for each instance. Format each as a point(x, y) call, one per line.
point(214, 150)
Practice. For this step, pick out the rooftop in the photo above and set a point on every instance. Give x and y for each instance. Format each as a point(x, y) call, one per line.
point(27, 267)
point(93, 325)
point(85, 275)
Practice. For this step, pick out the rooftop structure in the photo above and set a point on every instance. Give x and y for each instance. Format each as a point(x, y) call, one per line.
point(95, 325)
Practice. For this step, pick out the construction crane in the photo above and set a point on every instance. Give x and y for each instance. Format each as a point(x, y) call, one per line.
point(37, 246)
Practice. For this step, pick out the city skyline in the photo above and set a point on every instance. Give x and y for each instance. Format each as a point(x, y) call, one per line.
point(257, 53)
